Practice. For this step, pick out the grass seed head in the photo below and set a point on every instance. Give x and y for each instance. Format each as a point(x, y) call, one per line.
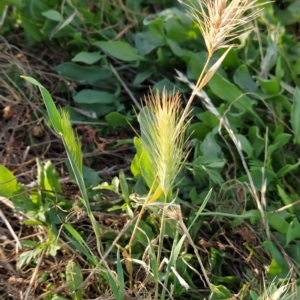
point(218, 20)
point(71, 140)
point(162, 136)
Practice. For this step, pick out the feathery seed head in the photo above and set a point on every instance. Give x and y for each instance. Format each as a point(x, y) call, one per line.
point(162, 135)
point(70, 139)
point(217, 20)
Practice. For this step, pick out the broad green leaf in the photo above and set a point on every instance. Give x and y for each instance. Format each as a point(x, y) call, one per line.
point(142, 76)
point(197, 130)
point(156, 27)
point(83, 74)
point(274, 268)
point(94, 97)
point(164, 84)
point(244, 80)
point(293, 232)
point(245, 144)
point(74, 280)
point(90, 176)
point(254, 295)
point(231, 61)
point(220, 292)
point(281, 140)
point(8, 183)
point(227, 91)
point(120, 50)
point(258, 143)
point(176, 31)
point(53, 112)
point(31, 29)
point(48, 178)
point(210, 147)
point(88, 58)
point(272, 87)
point(53, 15)
point(295, 113)
point(258, 178)
point(115, 119)
point(209, 119)
point(145, 42)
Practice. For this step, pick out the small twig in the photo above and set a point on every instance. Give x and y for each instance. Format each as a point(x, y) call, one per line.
point(33, 277)
point(126, 88)
point(2, 216)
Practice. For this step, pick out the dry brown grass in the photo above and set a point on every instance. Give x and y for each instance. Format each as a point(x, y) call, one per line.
point(220, 21)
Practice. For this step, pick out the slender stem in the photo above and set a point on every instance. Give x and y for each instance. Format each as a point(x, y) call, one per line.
point(194, 92)
point(163, 293)
point(160, 245)
point(198, 85)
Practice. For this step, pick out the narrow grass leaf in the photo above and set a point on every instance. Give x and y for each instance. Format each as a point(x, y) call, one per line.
point(295, 113)
point(114, 287)
point(285, 198)
point(278, 265)
point(120, 274)
point(180, 279)
point(79, 243)
point(176, 250)
point(277, 223)
point(124, 186)
point(201, 209)
point(50, 105)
